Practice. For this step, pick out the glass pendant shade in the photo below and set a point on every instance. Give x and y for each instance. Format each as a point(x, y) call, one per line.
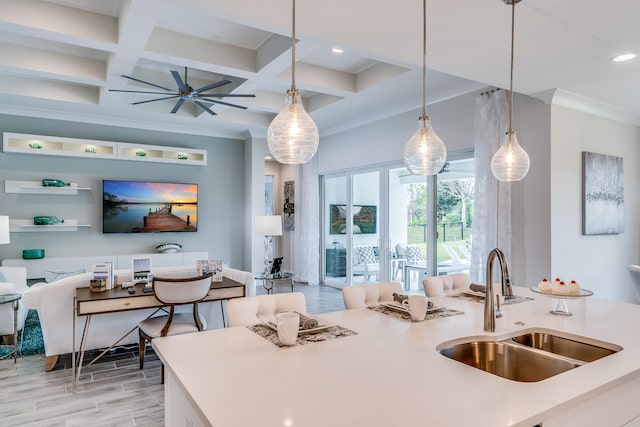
point(510, 162)
point(425, 153)
point(292, 136)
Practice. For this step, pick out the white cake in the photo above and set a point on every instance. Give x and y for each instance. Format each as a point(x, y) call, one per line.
point(574, 288)
point(544, 286)
point(558, 287)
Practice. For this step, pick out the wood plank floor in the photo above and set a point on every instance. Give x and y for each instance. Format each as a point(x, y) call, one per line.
point(113, 392)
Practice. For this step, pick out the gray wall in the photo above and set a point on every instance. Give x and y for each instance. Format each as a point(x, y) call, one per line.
point(221, 203)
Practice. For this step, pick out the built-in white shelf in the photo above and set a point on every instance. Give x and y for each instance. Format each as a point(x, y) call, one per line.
point(161, 154)
point(35, 187)
point(58, 146)
point(27, 225)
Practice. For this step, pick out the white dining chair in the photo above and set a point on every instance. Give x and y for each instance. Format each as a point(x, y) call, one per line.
point(445, 285)
point(361, 296)
point(173, 292)
point(249, 310)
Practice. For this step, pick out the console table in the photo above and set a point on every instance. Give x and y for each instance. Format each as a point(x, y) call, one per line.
point(36, 267)
point(87, 303)
point(336, 260)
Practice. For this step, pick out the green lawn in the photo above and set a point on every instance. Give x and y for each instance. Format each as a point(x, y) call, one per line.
point(417, 235)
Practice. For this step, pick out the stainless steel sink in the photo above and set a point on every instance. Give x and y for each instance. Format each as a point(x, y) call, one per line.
point(564, 346)
point(528, 357)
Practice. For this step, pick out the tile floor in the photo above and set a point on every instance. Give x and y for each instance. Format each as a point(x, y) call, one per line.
point(113, 392)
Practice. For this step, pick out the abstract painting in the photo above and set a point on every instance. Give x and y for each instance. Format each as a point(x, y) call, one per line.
point(603, 194)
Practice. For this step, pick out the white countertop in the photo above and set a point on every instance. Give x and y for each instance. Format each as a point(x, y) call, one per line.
point(390, 374)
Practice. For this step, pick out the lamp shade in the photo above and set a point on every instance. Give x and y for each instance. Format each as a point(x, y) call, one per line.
point(292, 136)
point(425, 153)
point(268, 225)
point(4, 230)
point(510, 162)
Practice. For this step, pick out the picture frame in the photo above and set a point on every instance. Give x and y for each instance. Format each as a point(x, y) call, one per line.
point(364, 219)
point(140, 268)
point(603, 194)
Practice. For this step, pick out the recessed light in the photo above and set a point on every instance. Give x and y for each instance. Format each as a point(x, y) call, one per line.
point(337, 50)
point(624, 57)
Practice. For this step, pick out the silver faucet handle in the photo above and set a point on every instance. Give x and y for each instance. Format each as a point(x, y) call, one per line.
point(499, 312)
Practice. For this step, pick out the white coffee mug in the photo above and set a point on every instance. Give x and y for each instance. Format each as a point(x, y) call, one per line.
point(417, 306)
point(287, 325)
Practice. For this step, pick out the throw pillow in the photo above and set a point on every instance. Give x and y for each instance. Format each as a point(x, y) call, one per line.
point(7, 288)
point(414, 253)
point(52, 276)
point(367, 255)
point(2, 278)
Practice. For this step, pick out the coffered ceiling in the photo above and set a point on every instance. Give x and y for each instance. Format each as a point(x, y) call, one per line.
point(59, 58)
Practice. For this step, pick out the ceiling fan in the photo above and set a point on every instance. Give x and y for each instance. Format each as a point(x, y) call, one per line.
point(187, 93)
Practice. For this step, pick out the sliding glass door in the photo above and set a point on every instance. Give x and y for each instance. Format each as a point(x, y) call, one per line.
point(401, 227)
point(351, 232)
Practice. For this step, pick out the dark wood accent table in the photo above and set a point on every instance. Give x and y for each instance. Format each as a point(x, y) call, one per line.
point(87, 303)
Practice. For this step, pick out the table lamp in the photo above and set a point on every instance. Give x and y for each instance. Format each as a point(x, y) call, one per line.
point(4, 230)
point(268, 226)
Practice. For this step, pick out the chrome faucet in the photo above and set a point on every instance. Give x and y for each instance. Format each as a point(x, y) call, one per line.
point(507, 290)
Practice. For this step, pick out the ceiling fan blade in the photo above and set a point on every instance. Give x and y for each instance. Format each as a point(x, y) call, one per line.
point(225, 95)
point(146, 83)
point(142, 91)
point(177, 106)
point(153, 100)
point(204, 107)
point(178, 79)
point(213, 86)
point(215, 101)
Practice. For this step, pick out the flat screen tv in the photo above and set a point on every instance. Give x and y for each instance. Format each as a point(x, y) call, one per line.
point(364, 219)
point(148, 207)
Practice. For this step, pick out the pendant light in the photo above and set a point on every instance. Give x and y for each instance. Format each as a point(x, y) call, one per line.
point(425, 153)
point(292, 136)
point(510, 162)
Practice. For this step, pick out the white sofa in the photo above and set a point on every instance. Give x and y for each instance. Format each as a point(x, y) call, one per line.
point(15, 282)
point(54, 302)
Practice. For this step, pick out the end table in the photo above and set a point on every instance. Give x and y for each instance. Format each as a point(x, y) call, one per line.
point(269, 280)
point(14, 300)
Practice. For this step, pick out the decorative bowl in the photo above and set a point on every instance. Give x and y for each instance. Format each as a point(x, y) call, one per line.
point(33, 254)
point(166, 248)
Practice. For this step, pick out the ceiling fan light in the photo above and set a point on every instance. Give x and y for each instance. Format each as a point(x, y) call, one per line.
point(510, 162)
point(292, 136)
point(425, 153)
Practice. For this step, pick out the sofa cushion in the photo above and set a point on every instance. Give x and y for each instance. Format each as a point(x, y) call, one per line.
point(53, 275)
point(6, 288)
point(367, 255)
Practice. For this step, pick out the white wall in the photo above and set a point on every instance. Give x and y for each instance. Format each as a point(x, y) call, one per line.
point(530, 198)
point(383, 141)
point(546, 205)
point(597, 262)
point(221, 203)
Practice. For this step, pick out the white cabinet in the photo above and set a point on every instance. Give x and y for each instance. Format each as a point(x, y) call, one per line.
point(73, 147)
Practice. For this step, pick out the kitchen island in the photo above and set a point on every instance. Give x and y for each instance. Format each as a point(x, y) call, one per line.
point(390, 373)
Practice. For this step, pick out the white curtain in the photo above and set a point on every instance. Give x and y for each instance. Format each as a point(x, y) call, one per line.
point(492, 199)
point(305, 250)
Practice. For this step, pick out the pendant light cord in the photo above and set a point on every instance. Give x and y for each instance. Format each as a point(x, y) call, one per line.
point(513, 15)
point(293, 47)
point(424, 60)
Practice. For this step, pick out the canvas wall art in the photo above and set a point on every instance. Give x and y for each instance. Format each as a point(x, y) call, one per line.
point(603, 194)
point(289, 206)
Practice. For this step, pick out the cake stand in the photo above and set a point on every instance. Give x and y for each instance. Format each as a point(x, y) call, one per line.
point(561, 307)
